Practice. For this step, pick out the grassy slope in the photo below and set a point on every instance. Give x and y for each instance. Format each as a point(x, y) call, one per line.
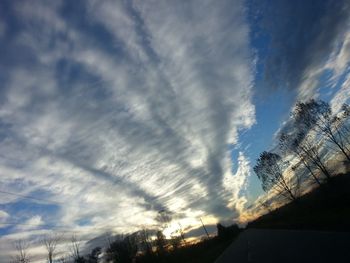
point(325, 208)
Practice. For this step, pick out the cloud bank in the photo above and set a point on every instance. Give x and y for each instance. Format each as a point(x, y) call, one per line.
point(120, 111)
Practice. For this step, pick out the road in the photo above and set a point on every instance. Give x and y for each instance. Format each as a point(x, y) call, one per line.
point(284, 246)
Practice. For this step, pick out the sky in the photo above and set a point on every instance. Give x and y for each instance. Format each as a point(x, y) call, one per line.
point(111, 111)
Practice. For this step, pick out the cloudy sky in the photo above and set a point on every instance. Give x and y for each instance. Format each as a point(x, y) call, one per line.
point(111, 111)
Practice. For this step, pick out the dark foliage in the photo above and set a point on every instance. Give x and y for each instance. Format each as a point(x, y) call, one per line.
point(122, 250)
point(227, 232)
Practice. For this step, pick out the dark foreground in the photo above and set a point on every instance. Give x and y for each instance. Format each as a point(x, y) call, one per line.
point(206, 251)
point(327, 208)
point(264, 245)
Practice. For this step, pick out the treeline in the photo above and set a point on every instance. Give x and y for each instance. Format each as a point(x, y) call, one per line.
point(313, 135)
point(143, 246)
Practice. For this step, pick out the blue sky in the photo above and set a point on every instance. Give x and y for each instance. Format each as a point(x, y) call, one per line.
point(111, 111)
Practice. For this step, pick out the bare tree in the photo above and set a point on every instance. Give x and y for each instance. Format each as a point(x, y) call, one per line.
point(164, 217)
point(123, 249)
point(75, 247)
point(50, 242)
point(310, 150)
point(266, 205)
point(270, 171)
point(317, 116)
point(75, 250)
point(292, 144)
point(160, 242)
point(341, 125)
point(146, 241)
point(175, 240)
point(21, 248)
point(182, 233)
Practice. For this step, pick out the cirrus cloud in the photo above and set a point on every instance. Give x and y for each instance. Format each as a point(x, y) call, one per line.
point(122, 111)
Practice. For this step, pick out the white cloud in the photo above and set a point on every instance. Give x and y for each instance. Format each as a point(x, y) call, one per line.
point(4, 216)
point(114, 128)
point(237, 184)
point(337, 64)
point(342, 95)
point(340, 57)
point(31, 224)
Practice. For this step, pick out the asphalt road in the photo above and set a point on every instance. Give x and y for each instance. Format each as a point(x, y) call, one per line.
point(283, 246)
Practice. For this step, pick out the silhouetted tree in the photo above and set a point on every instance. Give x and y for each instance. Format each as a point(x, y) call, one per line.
point(122, 250)
point(160, 243)
point(270, 171)
point(292, 144)
point(317, 115)
point(310, 149)
point(175, 241)
point(146, 241)
point(266, 204)
point(21, 248)
point(341, 124)
point(50, 242)
point(75, 250)
point(182, 234)
point(164, 217)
